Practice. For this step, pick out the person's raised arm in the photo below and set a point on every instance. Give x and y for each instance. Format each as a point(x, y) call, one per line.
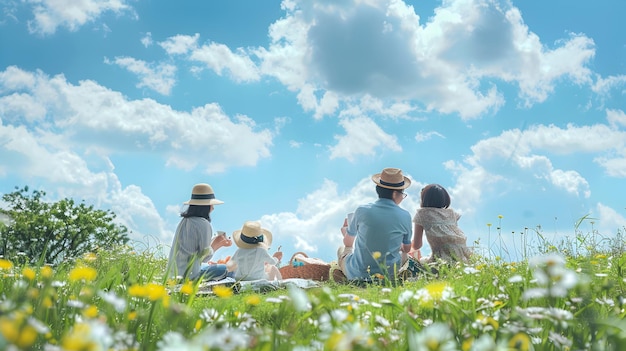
point(418, 231)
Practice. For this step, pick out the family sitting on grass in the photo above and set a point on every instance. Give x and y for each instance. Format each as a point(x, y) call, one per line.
point(377, 237)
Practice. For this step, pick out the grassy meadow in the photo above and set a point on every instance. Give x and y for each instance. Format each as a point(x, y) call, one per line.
point(560, 296)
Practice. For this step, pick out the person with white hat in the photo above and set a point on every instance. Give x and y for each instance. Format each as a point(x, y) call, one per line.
point(252, 260)
point(192, 244)
point(377, 232)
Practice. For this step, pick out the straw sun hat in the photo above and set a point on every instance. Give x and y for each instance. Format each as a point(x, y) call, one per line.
point(391, 178)
point(252, 235)
point(202, 195)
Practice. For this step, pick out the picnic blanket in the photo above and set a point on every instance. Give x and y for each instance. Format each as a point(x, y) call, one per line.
point(261, 285)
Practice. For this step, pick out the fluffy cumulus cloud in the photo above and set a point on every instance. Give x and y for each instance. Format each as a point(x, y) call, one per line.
point(49, 15)
point(363, 136)
point(217, 57)
point(157, 77)
point(609, 220)
point(123, 125)
point(451, 63)
point(528, 152)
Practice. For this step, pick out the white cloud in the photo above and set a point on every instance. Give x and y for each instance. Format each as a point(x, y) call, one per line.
point(603, 86)
point(609, 220)
point(159, 78)
point(424, 136)
point(122, 125)
point(295, 144)
point(180, 44)
point(215, 56)
point(363, 137)
point(529, 151)
point(450, 64)
point(570, 181)
point(51, 14)
point(616, 118)
point(147, 39)
point(220, 58)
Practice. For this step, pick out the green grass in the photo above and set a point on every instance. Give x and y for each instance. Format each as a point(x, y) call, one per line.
point(563, 297)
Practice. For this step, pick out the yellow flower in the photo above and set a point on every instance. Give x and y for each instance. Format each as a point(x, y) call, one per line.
point(47, 302)
point(488, 320)
point(46, 272)
point(91, 311)
point(156, 291)
point(82, 273)
point(436, 290)
point(151, 291)
point(253, 300)
point(132, 315)
point(28, 273)
point(467, 344)
point(520, 341)
point(137, 291)
point(376, 254)
point(76, 340)
point(488, 224)
point(334, 341)
point(6, 265)
point(23, 336)
point(222, 291)
point(500, 216)
point(187, 288)
point(198, 324)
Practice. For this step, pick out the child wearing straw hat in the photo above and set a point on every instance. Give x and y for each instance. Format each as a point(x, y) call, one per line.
point(192, 244)
point(252, 260)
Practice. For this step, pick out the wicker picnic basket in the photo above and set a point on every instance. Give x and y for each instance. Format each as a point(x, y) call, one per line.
point(301, 266)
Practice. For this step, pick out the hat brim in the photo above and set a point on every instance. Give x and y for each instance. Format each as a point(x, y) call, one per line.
point(206, 202)
point(376, 179)
point(267, 239)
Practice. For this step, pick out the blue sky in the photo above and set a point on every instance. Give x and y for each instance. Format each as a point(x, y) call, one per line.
point(287, 109)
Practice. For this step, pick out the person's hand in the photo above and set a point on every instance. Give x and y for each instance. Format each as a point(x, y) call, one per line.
point(344, 229)
point(416, 254)
point(221, 241)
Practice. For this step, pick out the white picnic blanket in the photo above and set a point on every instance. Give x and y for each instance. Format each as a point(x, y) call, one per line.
point(261, 285)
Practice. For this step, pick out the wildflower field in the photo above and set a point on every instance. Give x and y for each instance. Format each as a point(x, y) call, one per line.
point(555, 299)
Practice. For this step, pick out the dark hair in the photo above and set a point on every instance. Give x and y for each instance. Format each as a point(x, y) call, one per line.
point(197, 211)
point(384, 193)
point(434, 195)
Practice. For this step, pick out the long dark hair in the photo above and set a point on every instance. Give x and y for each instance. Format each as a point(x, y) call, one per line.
point(197, 211)
point(434, 195)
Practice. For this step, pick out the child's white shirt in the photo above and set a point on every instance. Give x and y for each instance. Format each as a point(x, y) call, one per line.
point(251, 263)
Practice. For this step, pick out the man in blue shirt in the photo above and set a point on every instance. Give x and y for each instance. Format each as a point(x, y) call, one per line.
point(378, 231)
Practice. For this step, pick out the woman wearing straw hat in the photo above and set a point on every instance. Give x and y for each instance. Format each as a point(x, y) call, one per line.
point(192, 242)
point(252, 260)
point(377, 232)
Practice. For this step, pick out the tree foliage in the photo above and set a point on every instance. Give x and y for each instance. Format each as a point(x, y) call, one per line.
point(50, 232)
